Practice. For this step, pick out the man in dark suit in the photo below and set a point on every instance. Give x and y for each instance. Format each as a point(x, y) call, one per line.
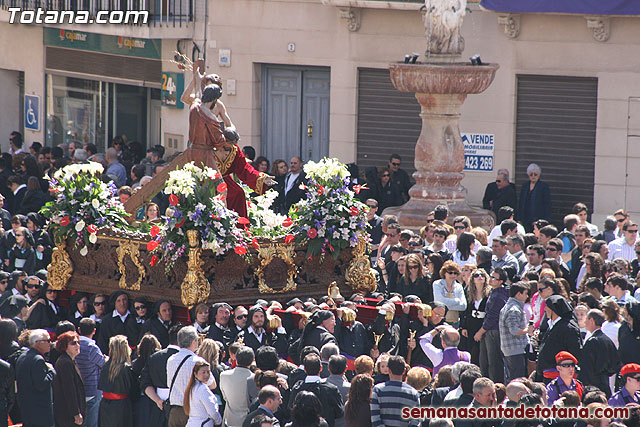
point(153, 379)
point(119, 322)
point(255, 335)
point(332, 406)
point(399, 176)
point(159, 324)
point(500, 193)
point(270, 399)
point(292, 191)
point(19, 189)
point(599, 355)
point(35, 380)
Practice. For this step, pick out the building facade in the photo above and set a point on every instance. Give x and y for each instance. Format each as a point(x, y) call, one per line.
point(309, 78)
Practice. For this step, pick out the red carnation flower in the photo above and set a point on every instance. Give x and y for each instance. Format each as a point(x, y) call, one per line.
point(173, 200)
point(312, 234)
point(154, 260)
point(289, 238)
point(152, 246)
point(243, 221)
point(92, 228)
point(288, 222)
point(240, 250)
point(255, 243)
point(180, 224)
point(222, 187)
point(320, 190)
point(155, 230)
point(65, 221)
point(354, 211)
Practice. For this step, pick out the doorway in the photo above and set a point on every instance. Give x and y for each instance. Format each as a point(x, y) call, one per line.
point(295, 112)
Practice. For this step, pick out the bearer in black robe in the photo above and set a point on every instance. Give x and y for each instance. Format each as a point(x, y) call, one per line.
point(385, 331)
point(418, 328)
point(353, 338)
point(160, 322)
point(119, 322)
point(219, 329)
point(255, 335)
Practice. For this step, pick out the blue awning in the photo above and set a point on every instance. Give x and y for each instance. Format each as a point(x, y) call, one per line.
point(582, 7)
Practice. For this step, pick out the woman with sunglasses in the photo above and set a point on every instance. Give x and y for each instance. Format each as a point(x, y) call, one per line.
point(388, 192)
point(68, 389)
point(472, 318)
point(450, 292)
point(414, 282)
point(535, 198)
point(22, 255)
point(45, 313)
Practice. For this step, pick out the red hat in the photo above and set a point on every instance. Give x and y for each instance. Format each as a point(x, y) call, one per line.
point(565, 355)
point(630, 368)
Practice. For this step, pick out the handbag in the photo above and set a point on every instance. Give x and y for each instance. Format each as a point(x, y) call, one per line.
point(166, 405)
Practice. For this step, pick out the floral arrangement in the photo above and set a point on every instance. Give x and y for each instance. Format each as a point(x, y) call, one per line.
point(264, 222)
point(83, 204)
point(330, 218)
point(197, 202)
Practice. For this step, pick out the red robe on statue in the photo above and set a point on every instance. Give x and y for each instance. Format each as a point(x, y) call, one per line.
point(236, 163)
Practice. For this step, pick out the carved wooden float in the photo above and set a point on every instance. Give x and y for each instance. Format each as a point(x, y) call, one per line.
point(274, 271)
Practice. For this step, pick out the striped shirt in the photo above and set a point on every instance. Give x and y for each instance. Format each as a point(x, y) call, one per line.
point(90, 361)
point(387, 401)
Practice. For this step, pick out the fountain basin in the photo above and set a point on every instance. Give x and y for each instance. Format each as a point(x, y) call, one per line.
point(442, 78)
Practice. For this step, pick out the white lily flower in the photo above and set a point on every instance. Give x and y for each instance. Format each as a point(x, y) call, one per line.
point(80, 225)
point(84, 251)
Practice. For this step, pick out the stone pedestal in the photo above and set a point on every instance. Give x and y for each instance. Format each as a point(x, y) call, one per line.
point(441, 89)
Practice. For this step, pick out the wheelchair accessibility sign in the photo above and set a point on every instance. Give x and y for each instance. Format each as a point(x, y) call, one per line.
point(32, 112)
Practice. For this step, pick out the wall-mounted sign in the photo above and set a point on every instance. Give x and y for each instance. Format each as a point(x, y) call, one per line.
point(117, 45)
point(32, 112)
point(478, 151)
point(172, 88)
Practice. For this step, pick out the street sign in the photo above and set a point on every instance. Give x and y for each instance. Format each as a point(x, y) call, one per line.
point(478, 151)
point(172, 88)
point(32, 112)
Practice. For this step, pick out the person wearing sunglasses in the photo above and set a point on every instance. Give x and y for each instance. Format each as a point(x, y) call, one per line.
point(35, 376)
point(399, 176)
point(45, 312)
point(240, 316)
point(621, 216)
point(624, 247)
point(69, 403)
point(472, 318)
point(630, 392)
point(99, 303)
point(388, 192)
point(566, 365)
point(22, 256)
point(450, 292)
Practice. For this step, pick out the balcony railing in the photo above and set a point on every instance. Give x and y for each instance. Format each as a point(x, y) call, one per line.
point(161, 12)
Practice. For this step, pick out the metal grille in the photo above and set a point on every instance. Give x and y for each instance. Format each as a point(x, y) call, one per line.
point(160, 12)
point(388, 121)
point(556, 128)
point(100, 65)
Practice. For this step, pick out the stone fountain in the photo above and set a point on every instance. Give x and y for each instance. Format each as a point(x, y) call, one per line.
point(441, 85)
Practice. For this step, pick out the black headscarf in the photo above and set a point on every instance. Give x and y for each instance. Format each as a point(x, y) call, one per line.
point(114, 296)
point(255, 309)
point(315, 320)
point(559, 305)
point(633, 308)
point(12, 306)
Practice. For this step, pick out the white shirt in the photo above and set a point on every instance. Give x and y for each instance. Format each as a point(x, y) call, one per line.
point(433, 353)
point(458, 260)
point(182, 380)
point(163, 393)
point(497, 232)
point(203, 407)
point(619, 248)
point(95, 319)
point(122, 317)
point(610, 329)
point(291, 178)
point(255, 334)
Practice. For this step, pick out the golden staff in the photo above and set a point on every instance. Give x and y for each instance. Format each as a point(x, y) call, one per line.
point(376, 339)
point(412, 335)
